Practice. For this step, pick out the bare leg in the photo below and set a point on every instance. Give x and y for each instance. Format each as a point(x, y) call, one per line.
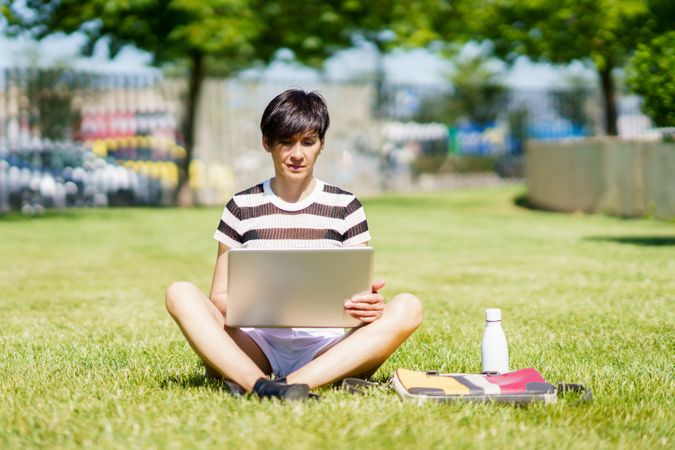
point(229, 351)
point(248, 345)
point(364, 349)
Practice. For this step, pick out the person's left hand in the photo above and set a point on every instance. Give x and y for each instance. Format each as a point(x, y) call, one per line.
point(367, 306)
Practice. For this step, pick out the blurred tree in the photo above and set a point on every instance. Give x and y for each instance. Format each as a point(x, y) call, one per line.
point(571, 101)
point(209, 36)
point(478, 94)
point(651, 74)
point(50, 93)
point(604, 32)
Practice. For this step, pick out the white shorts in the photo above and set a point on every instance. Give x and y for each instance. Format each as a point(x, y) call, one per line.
point(288, 349)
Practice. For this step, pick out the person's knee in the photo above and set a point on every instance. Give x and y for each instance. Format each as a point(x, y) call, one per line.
point(176, 295)
point(409, 311)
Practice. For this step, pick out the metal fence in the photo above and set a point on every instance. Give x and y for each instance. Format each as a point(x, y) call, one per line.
point(72, 138)
point(488, 120)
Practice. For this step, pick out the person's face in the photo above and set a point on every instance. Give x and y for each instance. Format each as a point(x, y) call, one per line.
point(294, 157)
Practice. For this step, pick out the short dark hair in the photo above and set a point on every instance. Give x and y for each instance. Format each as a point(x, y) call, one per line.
point(292, 112)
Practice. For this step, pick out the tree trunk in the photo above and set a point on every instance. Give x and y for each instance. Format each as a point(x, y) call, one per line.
point(185, 195)
point(379, 75)
point(607, 84)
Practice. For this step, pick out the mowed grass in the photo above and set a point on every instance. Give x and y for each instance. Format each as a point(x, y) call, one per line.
point(90, 358)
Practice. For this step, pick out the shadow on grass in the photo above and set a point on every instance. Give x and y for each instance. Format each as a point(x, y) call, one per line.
point(65, 214)
point(13, 217)
point(191, 381)
point(642, 241)
point(85, 213)
point(522, 201)
point(94, 213)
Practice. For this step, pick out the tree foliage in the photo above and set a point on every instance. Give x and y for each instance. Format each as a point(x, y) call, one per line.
point(167, 29)
point(603, 32)
point(651, 74)
point(561, 32)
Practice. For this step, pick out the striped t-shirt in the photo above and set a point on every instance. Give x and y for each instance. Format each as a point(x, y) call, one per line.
point(327, 217)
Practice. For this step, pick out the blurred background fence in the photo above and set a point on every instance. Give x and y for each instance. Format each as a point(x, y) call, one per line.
point(74, 139)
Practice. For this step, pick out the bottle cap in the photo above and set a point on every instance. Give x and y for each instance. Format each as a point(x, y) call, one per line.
point(493, 314)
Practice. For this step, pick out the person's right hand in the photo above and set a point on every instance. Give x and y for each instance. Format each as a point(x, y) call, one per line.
point(367, 306)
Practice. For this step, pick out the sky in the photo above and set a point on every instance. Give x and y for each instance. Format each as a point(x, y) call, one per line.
point(410, 66)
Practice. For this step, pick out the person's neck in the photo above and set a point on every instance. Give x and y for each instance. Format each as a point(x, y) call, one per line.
point(292, 191)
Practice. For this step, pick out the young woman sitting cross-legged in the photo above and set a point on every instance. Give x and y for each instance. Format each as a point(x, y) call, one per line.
point(291, 207)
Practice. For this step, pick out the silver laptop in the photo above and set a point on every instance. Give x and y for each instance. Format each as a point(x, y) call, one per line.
point(296, 287)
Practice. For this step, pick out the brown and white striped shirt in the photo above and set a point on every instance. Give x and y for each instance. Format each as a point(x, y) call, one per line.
point(327, 217)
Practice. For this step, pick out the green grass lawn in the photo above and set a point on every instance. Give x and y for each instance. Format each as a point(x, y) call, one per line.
point(90, 358)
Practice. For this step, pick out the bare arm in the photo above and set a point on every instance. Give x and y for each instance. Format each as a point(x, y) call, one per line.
point(218, 293)
point(367, 306)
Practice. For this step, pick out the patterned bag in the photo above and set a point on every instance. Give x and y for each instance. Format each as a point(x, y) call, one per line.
point(520, 386)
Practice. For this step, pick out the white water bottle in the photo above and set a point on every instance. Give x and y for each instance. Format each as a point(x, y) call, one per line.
point(495, 352)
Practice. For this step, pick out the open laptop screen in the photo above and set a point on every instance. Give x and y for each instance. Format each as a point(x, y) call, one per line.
point(296, 287)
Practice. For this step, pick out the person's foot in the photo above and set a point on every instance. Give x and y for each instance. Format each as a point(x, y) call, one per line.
point(265, 388)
